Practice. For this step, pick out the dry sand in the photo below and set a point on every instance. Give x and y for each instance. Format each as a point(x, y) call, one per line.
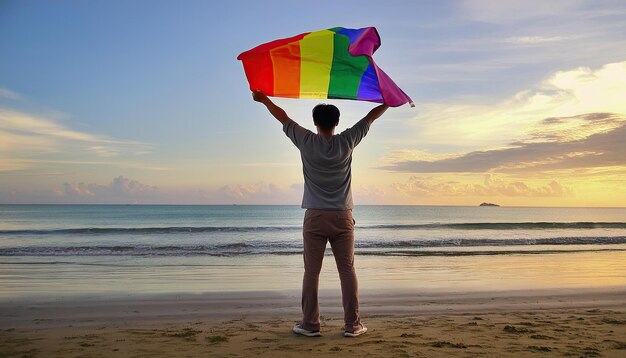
point(577, 323)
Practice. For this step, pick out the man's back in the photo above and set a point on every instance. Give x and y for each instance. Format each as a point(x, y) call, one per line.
point(326, 164)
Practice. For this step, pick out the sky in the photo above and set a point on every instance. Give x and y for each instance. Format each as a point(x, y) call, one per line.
point(519, 103)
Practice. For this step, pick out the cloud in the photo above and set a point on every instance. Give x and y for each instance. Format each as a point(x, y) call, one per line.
point(15, 121)
point(491, 186)
point(123, 190)
point(504, 12)
point(566, 129)
point(27, 140)
point(586, 90)
point(562, 94)
point(270, 164)
point(596, 141)
point(533, 40)
point(6, 93)
point(513, 12)
point(258, 193)
point(515, 42)
point(403, 155)
point(246, 192)
point(120, 188)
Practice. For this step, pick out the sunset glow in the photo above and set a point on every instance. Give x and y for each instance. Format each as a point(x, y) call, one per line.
point(516, 103)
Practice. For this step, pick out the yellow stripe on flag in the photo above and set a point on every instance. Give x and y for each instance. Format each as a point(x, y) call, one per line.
point(316, 55)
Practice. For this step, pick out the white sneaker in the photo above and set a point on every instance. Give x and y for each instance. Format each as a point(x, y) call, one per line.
point(299, 330)
point(358, 332)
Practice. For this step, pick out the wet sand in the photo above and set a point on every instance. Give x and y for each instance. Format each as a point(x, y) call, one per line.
point(573, 322)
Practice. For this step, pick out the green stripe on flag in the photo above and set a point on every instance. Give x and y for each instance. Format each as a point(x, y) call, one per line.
point(346, 71)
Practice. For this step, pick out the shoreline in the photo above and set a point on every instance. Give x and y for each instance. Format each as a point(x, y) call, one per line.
point(580, 322)
point(267, 303)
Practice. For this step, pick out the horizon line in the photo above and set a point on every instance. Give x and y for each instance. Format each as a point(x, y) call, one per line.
point(298, 205)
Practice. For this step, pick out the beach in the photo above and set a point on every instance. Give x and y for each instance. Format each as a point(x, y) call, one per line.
point(577, 323)
point(133, 281)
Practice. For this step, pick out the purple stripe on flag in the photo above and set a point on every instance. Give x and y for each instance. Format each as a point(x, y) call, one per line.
point(368, 88)
point(353, 34)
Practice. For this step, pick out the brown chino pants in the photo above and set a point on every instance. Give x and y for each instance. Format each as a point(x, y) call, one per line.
point(321, 226)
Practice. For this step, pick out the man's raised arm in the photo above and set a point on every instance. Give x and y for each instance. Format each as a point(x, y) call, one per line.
point(376, 112)
point(276, 111)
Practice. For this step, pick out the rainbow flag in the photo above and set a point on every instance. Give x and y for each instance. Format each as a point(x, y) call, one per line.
point(333, 63)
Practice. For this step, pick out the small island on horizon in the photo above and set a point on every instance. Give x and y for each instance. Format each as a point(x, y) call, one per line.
point(488, 204)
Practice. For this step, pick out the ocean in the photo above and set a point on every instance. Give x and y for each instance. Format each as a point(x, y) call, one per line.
point(64, 250)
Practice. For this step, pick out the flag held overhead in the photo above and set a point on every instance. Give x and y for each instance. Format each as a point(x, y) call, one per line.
point(332, 63)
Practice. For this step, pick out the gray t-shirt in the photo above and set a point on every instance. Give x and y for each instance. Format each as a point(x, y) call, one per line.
point(326, 164)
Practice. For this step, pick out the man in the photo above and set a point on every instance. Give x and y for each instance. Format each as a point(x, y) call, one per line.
point(326, 165)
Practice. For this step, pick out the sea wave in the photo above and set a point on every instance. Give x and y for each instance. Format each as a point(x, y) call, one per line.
point(506, 226)
point(607, 240)
point(382, 248)
point(243, 229)
point(148, 230)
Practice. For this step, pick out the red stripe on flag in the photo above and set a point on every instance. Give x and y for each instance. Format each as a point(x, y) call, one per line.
point(257, 64)
point(260, 73)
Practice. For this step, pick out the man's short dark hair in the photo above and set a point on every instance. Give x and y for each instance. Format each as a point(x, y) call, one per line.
point(326, 116)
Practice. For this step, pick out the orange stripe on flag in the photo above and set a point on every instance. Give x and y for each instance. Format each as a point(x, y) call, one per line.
point(286, 62)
